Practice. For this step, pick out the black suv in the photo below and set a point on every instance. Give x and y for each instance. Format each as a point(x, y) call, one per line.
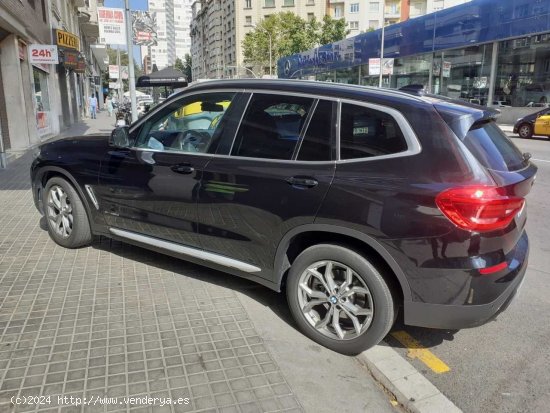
point(355, 201)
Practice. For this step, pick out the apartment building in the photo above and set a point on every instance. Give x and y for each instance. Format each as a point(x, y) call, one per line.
point(365, 15)
point(173, 27)
point(218, 28)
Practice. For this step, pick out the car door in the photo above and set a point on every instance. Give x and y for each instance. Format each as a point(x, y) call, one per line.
point(279, 169)
point(542, 125)
point(151, 188)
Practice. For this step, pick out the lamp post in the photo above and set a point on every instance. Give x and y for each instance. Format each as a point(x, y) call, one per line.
point(270, 48)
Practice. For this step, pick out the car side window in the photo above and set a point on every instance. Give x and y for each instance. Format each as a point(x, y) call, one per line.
point(366, 132)
point(189, 124)
point(271, 126)
point(317, 142)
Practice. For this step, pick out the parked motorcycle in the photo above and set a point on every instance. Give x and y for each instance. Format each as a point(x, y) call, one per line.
point(123, 114)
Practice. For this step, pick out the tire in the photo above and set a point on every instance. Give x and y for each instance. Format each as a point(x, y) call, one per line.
point(364, 276)
point(525, 131)
point(73, 228)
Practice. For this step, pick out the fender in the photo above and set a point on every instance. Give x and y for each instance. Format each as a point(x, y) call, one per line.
point(66, 174)
point(281, 263)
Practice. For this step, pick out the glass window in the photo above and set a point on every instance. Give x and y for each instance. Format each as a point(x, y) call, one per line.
point(337, 12)
point(316, 145)
point(248, 4)
point(288, 3)
point(366, 132)
point(463, 73)
point(374, 6)
point(354, 25)
point(41, 96)
point(354, 8)
point(269, 3)
point(187, 125)
point(523, 72)
point(248, 20)
point(493, 149)
point(271, 126)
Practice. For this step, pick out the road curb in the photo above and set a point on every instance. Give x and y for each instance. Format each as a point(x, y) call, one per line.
point(414, 391)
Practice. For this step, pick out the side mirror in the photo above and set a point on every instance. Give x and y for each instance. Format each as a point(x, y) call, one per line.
point(120, 137)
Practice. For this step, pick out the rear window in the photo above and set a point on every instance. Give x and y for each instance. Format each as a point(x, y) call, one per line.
point(492, 148)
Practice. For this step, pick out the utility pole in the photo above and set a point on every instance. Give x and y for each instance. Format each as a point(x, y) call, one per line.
point(131, 73)
point(120, 90)
point(382, 44)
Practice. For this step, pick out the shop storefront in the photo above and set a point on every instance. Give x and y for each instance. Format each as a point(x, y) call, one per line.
point(488, 52)
point(71, 66)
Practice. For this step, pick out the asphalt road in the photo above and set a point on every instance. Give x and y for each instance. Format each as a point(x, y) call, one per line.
point(504, 366)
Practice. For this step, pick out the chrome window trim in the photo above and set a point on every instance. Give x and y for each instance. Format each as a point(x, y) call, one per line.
point(304, 130)
point(184, 250)
point(413, 144)
point(239, 124)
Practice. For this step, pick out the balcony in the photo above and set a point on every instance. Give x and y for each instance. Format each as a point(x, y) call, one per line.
point(87, 18)
point(392, 10)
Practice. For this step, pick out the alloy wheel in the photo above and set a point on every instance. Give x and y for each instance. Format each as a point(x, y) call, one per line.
point(335, 300)
point(525, 131)
point(60, 211)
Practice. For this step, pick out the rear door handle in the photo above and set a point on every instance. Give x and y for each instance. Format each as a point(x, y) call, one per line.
point(302, 181)
point(182, 169)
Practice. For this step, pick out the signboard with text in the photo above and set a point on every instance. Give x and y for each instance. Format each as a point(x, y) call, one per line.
point(112, 28)
point(67, 40)
point(446, 70)
point(43, 54)
point(144, 28)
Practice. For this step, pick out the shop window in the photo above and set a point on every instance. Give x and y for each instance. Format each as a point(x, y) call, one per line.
point(41, 95)
point(522, 77)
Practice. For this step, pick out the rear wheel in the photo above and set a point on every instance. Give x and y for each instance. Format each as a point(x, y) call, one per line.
point(66, 215)
point(525, 131)
point(339, 299)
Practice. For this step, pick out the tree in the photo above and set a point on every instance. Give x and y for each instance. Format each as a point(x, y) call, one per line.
point(178, 65)
point(188, 64)
point(332, 30)
point(289, 34)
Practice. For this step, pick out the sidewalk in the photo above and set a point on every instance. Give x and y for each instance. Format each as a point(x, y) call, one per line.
point(103, 124)
point(113, 320)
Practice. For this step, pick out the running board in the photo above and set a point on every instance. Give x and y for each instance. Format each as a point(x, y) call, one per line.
point(189, 251)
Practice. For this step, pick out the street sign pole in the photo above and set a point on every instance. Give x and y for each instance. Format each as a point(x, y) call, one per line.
point(131, 73)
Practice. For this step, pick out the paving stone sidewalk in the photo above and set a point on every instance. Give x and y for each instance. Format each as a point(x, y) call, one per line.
point(113, 321)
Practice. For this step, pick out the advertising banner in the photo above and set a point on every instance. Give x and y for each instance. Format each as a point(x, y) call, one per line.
point(113, 71)
point(144, 28)
point(43, 125)
point(67, 40)
point(43, 53)
point(374, 66)
point(388, 67)
point(112, 28)
point(446, 69)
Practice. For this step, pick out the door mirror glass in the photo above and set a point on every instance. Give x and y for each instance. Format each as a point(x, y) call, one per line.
point(120, 137)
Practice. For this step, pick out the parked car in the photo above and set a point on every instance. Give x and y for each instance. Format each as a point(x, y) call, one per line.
point(356, 202)
point(537, 123)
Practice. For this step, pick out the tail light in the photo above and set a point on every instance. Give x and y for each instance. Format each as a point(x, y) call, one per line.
point(479, 208)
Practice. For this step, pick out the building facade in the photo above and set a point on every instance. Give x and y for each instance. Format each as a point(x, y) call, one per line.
point(218, 29)
point(24, 88)
point(485, 51)
point(37, 101)
point(365, 15)
point(173, 31)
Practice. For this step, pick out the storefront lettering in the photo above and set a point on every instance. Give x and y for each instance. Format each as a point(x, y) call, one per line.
point(65, 39)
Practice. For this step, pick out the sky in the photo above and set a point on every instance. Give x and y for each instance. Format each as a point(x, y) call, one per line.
point(134, 5)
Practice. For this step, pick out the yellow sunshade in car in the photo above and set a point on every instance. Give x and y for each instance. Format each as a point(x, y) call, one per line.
point(196, 107)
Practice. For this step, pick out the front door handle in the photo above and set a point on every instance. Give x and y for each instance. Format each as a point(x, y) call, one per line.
point(182, 169)
point(302, 181)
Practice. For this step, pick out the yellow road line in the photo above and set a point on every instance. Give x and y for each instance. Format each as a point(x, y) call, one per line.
point(418, 351)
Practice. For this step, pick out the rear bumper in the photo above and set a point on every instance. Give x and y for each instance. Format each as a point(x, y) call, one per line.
point(463, 316)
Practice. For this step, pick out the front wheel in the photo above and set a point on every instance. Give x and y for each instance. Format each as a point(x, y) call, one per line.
point(66, 215)
point(339, 299)
point(525, 131)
